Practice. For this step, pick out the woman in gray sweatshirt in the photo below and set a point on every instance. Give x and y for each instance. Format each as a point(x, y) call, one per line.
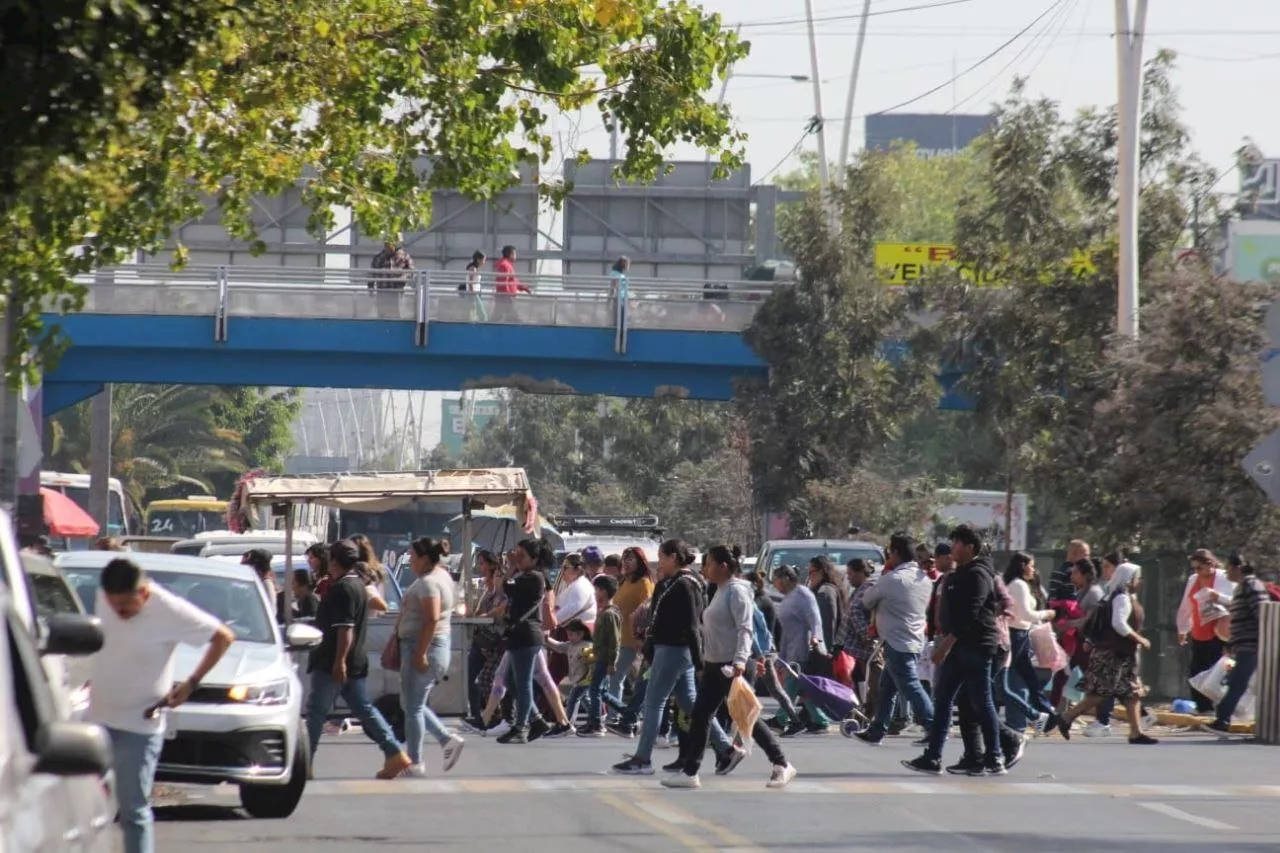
point(726, 637)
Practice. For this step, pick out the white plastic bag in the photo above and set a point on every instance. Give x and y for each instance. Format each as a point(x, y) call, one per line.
point(924, 663)
point(1213, 681)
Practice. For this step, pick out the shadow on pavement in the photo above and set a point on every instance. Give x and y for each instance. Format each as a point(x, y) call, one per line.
point(198, 812)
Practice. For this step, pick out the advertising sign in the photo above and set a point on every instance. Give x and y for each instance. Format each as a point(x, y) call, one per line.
point(903, 263)
point(1255, 251)
point(453, 421)
point(934, 135)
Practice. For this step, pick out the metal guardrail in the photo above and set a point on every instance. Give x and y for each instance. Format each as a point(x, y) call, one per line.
point(423, 297)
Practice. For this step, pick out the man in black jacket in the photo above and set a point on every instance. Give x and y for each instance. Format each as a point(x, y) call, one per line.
point(965, 653)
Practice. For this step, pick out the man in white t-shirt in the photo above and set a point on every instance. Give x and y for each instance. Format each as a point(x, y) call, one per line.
point(132, 678)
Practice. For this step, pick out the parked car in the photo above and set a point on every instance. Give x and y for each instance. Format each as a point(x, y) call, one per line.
point(226, 543)
point(798, 552)
point(52, 595)
point(243, 725)
point(55, 774)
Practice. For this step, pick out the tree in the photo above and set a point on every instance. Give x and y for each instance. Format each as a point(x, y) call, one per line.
point(163, 437)
point(1187, 406)
point(834, 395)
point(875, 503)
point(1031, 347)
point(262, 420)
point(709, 502)
point(350, 99)
point(927, 191)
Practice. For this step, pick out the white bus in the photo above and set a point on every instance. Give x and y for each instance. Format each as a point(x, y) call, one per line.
point(76, 487)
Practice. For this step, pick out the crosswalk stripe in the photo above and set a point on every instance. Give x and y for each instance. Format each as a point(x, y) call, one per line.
point(606, 784)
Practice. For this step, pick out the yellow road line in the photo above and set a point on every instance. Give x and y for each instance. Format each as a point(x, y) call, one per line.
point(728, 837)
point(689, 842)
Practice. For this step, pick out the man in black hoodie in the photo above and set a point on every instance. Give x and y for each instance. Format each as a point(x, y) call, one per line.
point(965, 652)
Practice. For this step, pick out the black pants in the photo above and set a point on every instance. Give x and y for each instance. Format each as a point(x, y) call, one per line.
point(713, 690)
point(971, 732)
point(1204, 654)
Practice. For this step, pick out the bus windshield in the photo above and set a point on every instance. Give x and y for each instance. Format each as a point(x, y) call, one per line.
point(183, 523)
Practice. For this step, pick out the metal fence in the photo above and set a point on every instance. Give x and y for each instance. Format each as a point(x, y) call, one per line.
point(422, 297)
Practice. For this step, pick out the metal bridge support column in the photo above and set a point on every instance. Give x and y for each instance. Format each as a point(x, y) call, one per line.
point(422, 287)
point(1266, 681)
point(220, 318)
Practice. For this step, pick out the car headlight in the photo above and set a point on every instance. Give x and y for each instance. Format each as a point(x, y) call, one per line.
point(264, 693)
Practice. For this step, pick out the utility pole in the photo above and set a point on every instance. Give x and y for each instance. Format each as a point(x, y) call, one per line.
point(100, 458)
point(10, 400)
point(824, 168)
point(853, 90)
point(1129, 37)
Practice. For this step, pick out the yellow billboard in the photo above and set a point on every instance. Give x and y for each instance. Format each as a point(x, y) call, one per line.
point(904, 263)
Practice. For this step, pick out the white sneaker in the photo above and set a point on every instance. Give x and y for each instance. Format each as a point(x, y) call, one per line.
point(681, 780)
point(415, 771)
point(1039, 723)
point(500, 729)
point(452, 751)
point(781, 776)
point(1096, 729)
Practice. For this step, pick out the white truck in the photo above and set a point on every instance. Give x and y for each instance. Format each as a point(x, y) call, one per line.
point(986, 511)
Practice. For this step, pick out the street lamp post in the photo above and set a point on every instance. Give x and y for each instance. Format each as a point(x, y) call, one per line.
point(1129, 36)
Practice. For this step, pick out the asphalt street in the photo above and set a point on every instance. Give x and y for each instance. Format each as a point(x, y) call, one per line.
point(1189, 794)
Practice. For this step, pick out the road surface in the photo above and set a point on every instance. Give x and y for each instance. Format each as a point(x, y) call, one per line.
point(1189, 794)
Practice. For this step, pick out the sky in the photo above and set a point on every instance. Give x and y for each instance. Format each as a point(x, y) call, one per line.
point(1228, 59)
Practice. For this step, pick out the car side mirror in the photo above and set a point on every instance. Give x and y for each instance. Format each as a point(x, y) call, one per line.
point(299, 637)
point(72, 634)
point(73, 749)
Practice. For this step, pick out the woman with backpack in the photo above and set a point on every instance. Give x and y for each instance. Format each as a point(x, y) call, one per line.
point(1114, 633)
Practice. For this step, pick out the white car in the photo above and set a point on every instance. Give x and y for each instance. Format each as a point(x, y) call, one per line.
point(243, 725)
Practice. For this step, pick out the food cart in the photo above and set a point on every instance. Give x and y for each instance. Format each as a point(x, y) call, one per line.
point(474, 488)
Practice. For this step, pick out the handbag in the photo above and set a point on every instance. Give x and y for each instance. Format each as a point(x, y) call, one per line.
point(818, 663)
point(391, 654)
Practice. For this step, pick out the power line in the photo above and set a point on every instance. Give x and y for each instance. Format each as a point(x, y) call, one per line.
point(1060, 18)
point(829, 18)
point(992, 55)
point(808, 131)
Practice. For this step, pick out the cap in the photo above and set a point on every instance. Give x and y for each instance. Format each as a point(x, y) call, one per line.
point(787, 573)
point(592, 556)
point(259, 558)
point(942, 549)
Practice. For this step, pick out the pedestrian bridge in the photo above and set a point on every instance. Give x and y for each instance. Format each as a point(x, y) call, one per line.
point(330, 328)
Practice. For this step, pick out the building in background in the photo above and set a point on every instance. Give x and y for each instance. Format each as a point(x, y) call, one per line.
point(934, 135)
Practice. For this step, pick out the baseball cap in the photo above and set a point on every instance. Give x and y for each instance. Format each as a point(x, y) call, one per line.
point(259, 558)
point(592, 556)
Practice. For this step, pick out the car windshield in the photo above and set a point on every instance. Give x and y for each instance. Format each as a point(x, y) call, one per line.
point(51, 595)
point(237, 602)
point(800, 557)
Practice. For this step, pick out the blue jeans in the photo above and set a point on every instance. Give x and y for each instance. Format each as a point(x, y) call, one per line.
point(1003, 682)
point(520, 680)
point(135, 756)
point(597, 693)
point(355, 691)
point(626, 657)
point(791, 685)
point(967, 669)
point(1031, 699)
point(1237, 682)
point(415, 687)
point(672, 672)
point(900, 676)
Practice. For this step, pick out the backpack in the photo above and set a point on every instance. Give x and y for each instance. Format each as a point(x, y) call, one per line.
point(760, 627)
point(1098, 629)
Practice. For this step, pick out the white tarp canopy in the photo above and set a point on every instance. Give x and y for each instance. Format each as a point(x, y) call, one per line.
point(380, 492)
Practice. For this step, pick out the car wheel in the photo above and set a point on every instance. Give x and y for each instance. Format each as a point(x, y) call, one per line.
point(274, 802)
point(389, 707)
